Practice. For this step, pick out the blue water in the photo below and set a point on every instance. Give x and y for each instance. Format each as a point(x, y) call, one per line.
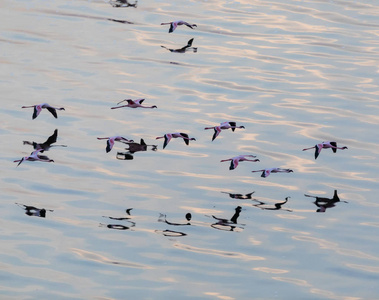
point(293, 74)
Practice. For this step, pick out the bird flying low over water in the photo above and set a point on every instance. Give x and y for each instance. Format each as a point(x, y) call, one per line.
point(267, 172)
point(33, 157)
point(133, 104)
point(183, 49)
point(168, 136)
point(38, 108)
point(325, 145)
point(112, 139)
point(45, 146)
point(175, 24)
point(235, 160)
point(223, 125)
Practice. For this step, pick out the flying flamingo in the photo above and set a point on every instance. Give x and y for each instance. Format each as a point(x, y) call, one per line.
point(133, 104)
point(223, 125)
point(38, 108)
point(175, 24)
point(168, 136)
point(235, 160)
point(267, 172)
point(45, 146)
point(183, 49)
point(112, 139)
point(33, 157)
point(325, 145)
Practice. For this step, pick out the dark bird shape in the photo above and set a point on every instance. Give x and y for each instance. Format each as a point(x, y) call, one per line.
point(38, 108)
point(323, 203)
point(267, 172)
point(168, 136)
point(183, 49)
point(239, 196)
point(142, 146)
point(123, 3)
point(111, 140)
point(277, 205)
point(34, 211)
point(45, 146)
point(175, 24)
point(325, 145)
point(222, 126)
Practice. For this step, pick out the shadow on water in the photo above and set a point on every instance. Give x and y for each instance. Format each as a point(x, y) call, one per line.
point(172, 233)
point(239, 196)
point(323, 203)
point(45, 146)
point(277, 205)
point(123, 3)
point(120, 226)
point(34, 211)
point(184, 49)
point(133, 148)
point(226, 224)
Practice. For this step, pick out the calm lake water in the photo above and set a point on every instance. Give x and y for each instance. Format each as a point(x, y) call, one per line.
point(293, 73)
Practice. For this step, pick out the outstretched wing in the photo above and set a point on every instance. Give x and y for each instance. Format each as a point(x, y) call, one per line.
point(52, 139)
point(110, 144)
point(52, 111)
point(318, 149)
point(167, 139)
point(233, 125)
point(37, 110)
point(217, 130)
point(185, 138)
point(233, 164)
point(334, 144)
point(172, 27)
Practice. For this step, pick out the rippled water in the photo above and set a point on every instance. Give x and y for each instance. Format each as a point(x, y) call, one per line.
point(293, 73)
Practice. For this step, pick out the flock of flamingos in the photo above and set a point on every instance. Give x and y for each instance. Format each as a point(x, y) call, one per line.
point(39, 148)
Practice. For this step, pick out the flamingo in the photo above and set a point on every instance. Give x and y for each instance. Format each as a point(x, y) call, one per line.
point(277, 205)
point(235, 160)
point(33, 157)
point(133, 104)
point(38, 108)
point(223, 125)
point(34, 211)
point(267, 172)
point(45, 146)
point(168, 136)
point(325, 145)
point(183, 49)
point(142, 146)
point(112, 139)
point(175, 24)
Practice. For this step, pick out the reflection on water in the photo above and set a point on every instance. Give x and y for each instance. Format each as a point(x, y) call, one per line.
point(34, 211)
point(277, 206)
point(292, 73)
point(184, 49)
point(323, 203)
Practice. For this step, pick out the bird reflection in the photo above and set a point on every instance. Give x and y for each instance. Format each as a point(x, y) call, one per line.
point(34, 211)
point(120, 226)
point(134, 147)
point(162, 218)
point(225, 224)
point(183, 49)
point(324, 203)
point(120, 21)
point(168, 232)
point(239, 196)
point(277, 205)
point(123, 3)
point(45, 146)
